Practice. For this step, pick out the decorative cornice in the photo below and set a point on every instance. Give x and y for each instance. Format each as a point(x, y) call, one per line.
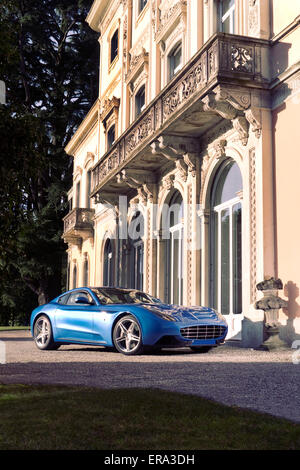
point(85, 128)
point(137, 63)
point(109, 106)
point(171, 12)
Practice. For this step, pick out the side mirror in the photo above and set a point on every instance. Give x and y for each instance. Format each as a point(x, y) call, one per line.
point(82, 300)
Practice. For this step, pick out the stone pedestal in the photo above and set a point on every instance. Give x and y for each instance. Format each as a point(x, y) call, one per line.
point(271, 303)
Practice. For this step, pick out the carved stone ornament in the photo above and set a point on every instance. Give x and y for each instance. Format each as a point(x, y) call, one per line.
point(241, 125)
point(138, 62)
point(168, 182)
point(182, 169)
point(190, 159)
point(253, 116)
point(170, 11)
point(242, 58)
point(218, 149)
point(236, 107)
point(109, 107)
point(271, 303)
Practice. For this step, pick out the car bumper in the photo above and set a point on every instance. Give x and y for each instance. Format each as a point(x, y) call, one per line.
point(180, 335)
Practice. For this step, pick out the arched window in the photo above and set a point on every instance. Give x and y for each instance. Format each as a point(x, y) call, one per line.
point(74, 275)
point(108, 272)
point(226, 240)
point(86, 271)
point(136, 233)
point(175, 249)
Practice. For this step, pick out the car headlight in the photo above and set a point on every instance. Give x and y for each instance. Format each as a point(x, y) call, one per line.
point(159, 313)
point(220, 317)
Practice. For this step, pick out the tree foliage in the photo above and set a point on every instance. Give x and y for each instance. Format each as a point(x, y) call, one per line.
point(48, 60)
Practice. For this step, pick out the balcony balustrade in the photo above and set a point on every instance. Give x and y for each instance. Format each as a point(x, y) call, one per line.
point(227, 79)
point(78, 226)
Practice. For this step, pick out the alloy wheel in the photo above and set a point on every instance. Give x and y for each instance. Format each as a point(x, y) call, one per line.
point(128, 336)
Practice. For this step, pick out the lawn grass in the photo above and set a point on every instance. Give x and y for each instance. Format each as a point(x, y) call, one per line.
point(69, 418)
point(12, 328)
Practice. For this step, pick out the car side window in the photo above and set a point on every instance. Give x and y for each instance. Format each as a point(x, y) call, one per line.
point(75, 295)
point(63, 299)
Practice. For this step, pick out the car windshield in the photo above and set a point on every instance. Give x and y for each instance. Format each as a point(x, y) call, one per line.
point(110, 295)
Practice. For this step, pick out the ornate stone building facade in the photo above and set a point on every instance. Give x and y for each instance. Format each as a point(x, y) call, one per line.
point(185, 169)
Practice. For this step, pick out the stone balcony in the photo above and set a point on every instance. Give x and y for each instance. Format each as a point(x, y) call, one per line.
point(226, 82)
point(78, 226)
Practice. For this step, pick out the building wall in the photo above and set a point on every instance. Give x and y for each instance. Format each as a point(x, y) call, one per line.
point(254, 127)
point(287, 168)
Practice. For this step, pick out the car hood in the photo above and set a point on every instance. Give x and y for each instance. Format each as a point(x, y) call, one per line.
point(184, 314)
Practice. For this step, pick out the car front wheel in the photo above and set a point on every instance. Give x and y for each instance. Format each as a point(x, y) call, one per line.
point(43, 335)
point(127, 336)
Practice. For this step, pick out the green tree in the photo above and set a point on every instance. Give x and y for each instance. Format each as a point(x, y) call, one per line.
point(48, 60)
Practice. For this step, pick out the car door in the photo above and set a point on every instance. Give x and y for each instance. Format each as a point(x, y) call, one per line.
point(73, 320)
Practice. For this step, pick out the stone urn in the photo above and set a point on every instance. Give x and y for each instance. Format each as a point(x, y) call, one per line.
point(271, 303)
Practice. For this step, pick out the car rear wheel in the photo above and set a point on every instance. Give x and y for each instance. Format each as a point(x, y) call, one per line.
point(127, 336)
point(200, 349)
point(43, 335)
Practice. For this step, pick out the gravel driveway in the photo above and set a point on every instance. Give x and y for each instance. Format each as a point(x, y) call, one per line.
point(263, 381)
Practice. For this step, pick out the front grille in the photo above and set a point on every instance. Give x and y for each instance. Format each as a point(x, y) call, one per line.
point(203, 331)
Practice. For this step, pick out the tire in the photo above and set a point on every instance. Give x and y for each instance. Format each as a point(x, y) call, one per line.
point(201, 349)
point(127, 336)
point(42, 334)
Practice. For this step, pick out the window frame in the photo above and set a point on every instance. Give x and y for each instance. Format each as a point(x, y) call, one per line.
point(141, 6)
point(114, 58)
point(216, 248)
point(175, 254)
point(172, 70)
point(140, 109)
point(78, 194)
point(223, 16)
point(109, 130)
point(78, 293)
point(108, 263)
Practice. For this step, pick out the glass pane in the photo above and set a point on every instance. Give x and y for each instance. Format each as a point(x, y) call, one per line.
point(176, 261)
point(226, 4)
point(108, 265)
point(228, 184)
point(89, 187)
point(78, 194)
point(237, 257)
point(142, 4)
point(140, 101)
point(74, 277)
point(226, 16)
point(139, 267)
point(86, 273)
point(114, 46)
point(225, 262)
point(176, 209)
point(226, 25)
point(110, 137)
point(175, 60)
point(214, 262)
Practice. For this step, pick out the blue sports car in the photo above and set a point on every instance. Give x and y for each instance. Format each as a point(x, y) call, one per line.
point(125, 319)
